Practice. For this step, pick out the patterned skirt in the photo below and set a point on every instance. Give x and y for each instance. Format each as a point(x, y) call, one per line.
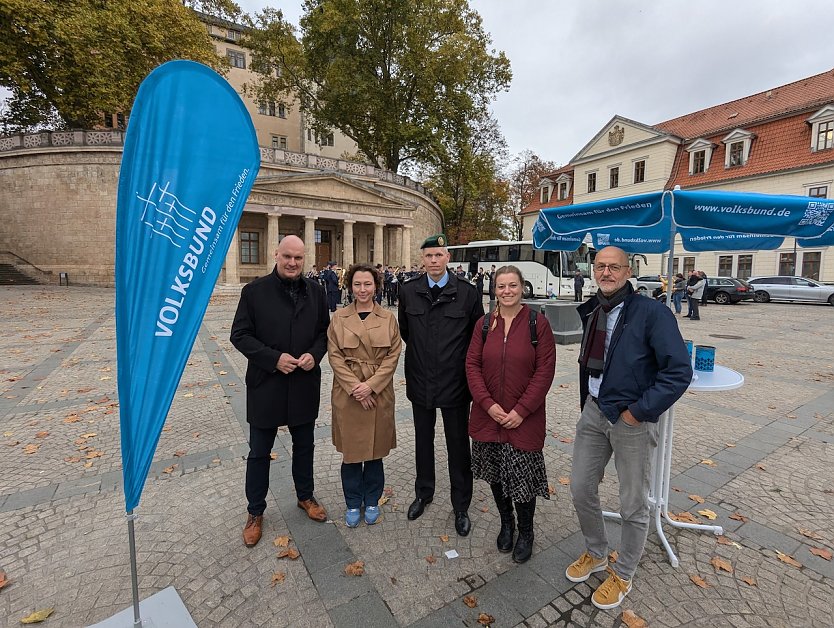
point(521, 473)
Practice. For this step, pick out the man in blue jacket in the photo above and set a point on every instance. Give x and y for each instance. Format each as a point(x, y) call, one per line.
point(633, 367)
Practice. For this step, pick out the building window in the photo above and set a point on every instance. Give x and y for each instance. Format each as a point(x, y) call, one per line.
point(279, 141)
point(745, 266)
point(282, 111)
point(825, 135)
point(250, 247)
point(699, 161)
point(592, 182)
point(271, 108)
point(262, 108)
point(725, 265)
point(786, 263)
point(545, 194)
point(736, 154)
point(563, 191)
point(639, 171)
point(233, 35)
point(237, 59)
point(818, 191)
point(614, 178)
point(309, 135)
point(811, 264)
point(108, 120)
point(325, 140)
point(688, 265)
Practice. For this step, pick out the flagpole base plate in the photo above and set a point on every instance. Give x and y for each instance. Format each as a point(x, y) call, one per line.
point(161, 610)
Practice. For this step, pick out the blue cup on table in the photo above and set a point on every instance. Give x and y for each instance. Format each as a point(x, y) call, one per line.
point(689, 347)
point(704, 358)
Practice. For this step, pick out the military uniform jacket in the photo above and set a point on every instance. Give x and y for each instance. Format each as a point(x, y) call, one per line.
point(267, 323)
point(437, 337)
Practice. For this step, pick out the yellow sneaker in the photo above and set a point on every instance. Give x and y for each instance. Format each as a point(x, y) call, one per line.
point(582, 568)
point(612, 592)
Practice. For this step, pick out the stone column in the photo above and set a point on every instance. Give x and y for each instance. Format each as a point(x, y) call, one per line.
point(406, 250)
point(232, 258)
point(309, 242)
point(394, 246)
point(378, 244)
point(272, 235)
point(347, 238)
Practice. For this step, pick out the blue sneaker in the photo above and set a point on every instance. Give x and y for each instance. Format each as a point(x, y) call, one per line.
point(371, 515)
point(352, 517)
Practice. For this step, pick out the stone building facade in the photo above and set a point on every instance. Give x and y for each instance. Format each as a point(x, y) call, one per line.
point(58, 208)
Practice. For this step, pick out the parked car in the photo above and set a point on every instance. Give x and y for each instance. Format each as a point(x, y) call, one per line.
point(646, 284)
point(725, 290)
point(787, 288)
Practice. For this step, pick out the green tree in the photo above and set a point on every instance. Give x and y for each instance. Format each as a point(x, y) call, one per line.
point(66, 62)
point(389, 74)
point(524, 176)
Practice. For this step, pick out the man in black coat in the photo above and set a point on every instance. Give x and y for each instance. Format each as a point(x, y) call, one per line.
point(331, 285)
point(281, 327)
point(437, 313)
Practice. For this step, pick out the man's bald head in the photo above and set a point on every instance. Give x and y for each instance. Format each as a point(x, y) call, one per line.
point(615, 251)
point(615, 270)
point(289, 257)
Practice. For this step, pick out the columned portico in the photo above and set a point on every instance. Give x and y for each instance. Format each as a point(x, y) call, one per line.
point(309, 242)
point(378, 244)
point(232, 257)
point(272, 234)
point(347, 238)
point(406, 250)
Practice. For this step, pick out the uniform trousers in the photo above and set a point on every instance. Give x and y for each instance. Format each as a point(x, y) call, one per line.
point(456, 428)
point(261, 441)
point(633, 447)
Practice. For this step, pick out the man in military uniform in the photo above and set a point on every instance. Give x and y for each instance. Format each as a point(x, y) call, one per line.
point(437, 313)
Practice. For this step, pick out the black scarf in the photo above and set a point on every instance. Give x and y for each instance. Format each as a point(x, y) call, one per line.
point(592, 353)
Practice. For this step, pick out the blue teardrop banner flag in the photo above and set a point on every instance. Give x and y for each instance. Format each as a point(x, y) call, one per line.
point(190, 158)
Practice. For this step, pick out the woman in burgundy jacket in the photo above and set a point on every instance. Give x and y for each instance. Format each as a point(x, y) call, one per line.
point(509, 377)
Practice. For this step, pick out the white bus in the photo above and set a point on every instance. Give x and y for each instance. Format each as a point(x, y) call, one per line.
point(545, 272)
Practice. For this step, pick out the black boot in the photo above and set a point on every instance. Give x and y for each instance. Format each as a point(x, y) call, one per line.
point(524, 545)
point(505, 509)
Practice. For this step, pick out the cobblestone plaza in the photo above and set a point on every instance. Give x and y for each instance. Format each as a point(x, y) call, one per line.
point(761, 458)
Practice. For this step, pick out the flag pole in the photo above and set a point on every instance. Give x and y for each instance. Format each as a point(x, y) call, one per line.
point(134, 577)
point(671, 260)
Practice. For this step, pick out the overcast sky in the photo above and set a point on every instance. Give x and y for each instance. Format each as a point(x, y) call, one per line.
point(577, 63)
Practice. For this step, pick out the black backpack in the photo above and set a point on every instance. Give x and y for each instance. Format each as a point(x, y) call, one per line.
point(534, 334)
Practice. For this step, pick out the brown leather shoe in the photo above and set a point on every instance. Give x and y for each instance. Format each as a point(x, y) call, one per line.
point(313, 509)
point(252, 531)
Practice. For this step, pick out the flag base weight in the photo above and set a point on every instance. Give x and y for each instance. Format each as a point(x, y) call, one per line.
point(161, 610)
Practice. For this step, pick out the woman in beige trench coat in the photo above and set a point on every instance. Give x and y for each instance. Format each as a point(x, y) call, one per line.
point(363, 346)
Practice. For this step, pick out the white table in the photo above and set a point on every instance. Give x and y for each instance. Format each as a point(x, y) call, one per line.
point(721, 378)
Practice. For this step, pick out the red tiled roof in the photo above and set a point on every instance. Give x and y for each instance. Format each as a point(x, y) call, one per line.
point(536, 204)
point(782, 144)
point(802, 95)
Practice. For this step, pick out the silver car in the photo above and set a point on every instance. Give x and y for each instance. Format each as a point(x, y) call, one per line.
point(787, 288)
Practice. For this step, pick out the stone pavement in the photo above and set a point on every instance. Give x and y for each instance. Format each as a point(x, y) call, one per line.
point(768, 449)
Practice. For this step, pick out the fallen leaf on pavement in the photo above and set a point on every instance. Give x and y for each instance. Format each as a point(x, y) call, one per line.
point(470, 600)
point(273, 456)
point(179, 453)
point(613, 556)
point(188, 394)
point(822, 553)
point(750, 580)
point(697, 499)
point(89, 464)
point(383, 500)
point(730, 444)
point(761, 467)
point(38, 616)
point(94, 454)
point(72, 459)
point(787, 559)
point(723, 540)
point(388, 491)
point(430, 559)
point(4, 581)
point(684, 517)
point(12, 443)
point(355, 569)
point(222, 373)
point(551, 490)
point(564, 481)
point(708, 462)
point(31, 449)
point(565, 439)
point(290, 553)
point(810, 534)
point(170, 469)
point(486, 620)
point(709, 514)
point(88, 435)
point(791, 416)
point(700, 582)
point(737, 516)
point(484, 509)
point(43, 434)
point(444, 538)
point(633, 620)
point(282, 541)
point(277, 578)
point(677, 490)
point(721, 564)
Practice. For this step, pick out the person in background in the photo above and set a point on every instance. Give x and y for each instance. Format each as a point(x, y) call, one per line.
point(331, 285)
point(696, 292)
point(491, 276)
point(633, 365)
point(479, 282)
point(363, 347)
point(578, 284)
point(706, 283)
point(509, 378)
point(313, 273)
point(679, 287)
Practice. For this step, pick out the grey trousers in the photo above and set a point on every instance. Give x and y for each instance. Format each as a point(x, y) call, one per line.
point(632, 447)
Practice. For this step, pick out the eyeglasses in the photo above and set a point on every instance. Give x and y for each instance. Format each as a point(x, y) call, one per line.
point(612, 268)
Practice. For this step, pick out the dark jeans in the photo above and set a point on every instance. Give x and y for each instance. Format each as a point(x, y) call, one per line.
point(257, 464)
point(694, 305)
point(362, 482)
point(456, 428)
point(577, 295)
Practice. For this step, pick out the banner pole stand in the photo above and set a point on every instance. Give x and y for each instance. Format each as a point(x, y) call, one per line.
point(134, 577)
point(671, 260)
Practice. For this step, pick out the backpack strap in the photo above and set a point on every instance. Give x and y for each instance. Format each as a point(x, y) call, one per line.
point(485, 328)
point(534, 334)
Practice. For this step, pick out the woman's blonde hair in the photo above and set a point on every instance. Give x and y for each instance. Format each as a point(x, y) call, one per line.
point(504, 270)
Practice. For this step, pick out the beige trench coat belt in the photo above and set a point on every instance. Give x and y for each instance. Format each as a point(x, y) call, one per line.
point(366, 369)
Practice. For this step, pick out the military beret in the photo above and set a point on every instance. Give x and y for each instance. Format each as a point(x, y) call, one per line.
point(434, 240)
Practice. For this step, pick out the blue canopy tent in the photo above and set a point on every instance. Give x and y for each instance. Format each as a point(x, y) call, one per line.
point(706, 221)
